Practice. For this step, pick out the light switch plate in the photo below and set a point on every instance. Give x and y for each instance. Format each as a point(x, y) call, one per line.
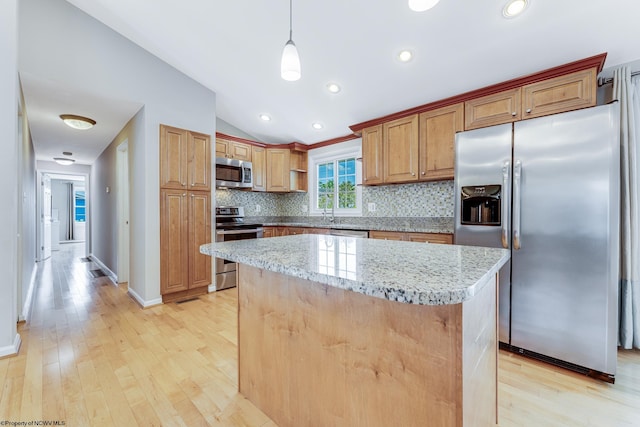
point(258, 208)
point(371, 207)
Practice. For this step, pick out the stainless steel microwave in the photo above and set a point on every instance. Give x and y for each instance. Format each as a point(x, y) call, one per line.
point(232, 173)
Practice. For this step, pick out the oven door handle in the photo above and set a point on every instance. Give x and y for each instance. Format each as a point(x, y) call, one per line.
point(244, 231)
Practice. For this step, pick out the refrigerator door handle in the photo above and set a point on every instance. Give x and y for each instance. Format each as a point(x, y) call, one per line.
point(506, 202)
point(517, 174)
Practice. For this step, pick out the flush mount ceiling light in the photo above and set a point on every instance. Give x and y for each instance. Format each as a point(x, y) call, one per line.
point(290, 63)
point(514, 8)
point(405, 56)
point(317, 125)
point(265, 117)
point(63, 161)
point(77, 122)
point(422, 5)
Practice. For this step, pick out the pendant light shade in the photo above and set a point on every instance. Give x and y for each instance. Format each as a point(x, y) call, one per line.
point(290, 63)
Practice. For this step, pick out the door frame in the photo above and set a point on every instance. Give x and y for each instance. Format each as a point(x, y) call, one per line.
point(123, 254)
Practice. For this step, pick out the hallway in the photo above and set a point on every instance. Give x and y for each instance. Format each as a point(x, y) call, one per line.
point(91, 356)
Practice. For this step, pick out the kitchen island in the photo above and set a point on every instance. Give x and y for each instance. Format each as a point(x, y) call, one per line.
point(344, 331)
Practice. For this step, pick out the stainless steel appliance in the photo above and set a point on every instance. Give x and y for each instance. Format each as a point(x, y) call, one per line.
point(548, 189)
point(231, 225)
point(233, 173)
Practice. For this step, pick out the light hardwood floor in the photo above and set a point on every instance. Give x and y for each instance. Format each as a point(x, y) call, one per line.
point(91, 357)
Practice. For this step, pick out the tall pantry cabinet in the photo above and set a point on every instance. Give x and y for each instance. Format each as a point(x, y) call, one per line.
point(185, 213)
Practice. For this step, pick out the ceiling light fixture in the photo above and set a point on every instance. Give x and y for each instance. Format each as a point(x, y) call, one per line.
point(514, 8)
point(77, 122)
point(405, 56)
point(333, 87)
point(317, 126)
point(422, 5)
point(63, 161)
point(290, 64)
point(265, 117)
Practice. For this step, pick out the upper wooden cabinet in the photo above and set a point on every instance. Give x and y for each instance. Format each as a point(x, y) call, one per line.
point(185, 159)
point(372, 155)
point(495, 109)
point(297, 171)
point(278, 168)
point(556, 95)
point(259, 163)
point(437, 136)
point(565, 93)
point(400, 148)
point(233, 149)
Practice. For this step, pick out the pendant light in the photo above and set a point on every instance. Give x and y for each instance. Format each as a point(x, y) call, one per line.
point(290, 64)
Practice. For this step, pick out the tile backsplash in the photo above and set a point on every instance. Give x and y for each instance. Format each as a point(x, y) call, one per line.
point(431, 199)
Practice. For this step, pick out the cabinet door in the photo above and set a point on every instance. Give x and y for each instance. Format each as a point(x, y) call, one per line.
point(386, 235)
point(437, 135)
point(502, 107)
point(430, 238)
point(278, 169)
point(199, 161)
point(400, 147)
point(372, 155)
point(174, 240)
point(222, 148)
point(240, 151)
point(259, 163)
point(173, 157)
point(199, 234)
point(269, 232)
point(565, 93)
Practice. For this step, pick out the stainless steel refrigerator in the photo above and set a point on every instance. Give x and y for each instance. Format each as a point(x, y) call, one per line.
point(548, 189)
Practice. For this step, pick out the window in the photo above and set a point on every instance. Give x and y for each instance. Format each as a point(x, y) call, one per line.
point(333, 181)
point(80, 206)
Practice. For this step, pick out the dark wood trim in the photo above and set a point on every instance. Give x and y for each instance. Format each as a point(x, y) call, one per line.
point(583, 64)
point(238, 139)
point(332, 141)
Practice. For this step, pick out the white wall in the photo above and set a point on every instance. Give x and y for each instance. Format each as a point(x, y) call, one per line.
point(9, 122)
point(103, 58)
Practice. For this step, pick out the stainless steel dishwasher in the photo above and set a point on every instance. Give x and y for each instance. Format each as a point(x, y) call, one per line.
point(349, 233)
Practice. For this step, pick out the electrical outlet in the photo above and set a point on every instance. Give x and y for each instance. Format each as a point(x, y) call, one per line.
point(304, 208)
point(258, 208)
point(371, 207)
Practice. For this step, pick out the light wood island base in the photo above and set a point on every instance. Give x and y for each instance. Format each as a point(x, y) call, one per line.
point(315, 355)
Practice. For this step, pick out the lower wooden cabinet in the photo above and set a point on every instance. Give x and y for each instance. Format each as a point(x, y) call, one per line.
point(275, 231)
point(413, 237)
point(185, 224)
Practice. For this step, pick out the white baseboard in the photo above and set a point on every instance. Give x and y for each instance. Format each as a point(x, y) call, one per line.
point(142, 302)
point(26, 309)
point(110, 274)
point(11, 350)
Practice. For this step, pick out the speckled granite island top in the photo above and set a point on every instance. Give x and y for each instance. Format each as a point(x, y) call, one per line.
point(408, 272)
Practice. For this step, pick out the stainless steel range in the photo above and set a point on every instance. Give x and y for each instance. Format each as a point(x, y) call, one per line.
point(231, 225)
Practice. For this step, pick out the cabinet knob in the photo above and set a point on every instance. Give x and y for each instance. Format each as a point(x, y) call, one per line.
point(528, 110)
point(365, 179)
point(513, 114)
point(184, 184)
point(423, 173)
point(413, 174)
point(193, 195)
point(184, 194)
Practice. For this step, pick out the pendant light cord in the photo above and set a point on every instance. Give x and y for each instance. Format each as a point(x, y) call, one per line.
point(290, 19)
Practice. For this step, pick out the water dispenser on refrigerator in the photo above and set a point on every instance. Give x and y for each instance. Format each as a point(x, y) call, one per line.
point(480, 205)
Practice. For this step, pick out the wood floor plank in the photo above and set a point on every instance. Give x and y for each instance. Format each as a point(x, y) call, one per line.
point(92, 357)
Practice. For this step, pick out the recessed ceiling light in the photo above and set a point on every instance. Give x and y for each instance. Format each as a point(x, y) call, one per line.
point(405, 56)
point(317, 126)
point(514, 7)
point(63, 161)
point(422, 5)
point(333, 87)
point(77, 122)
point(265, 117)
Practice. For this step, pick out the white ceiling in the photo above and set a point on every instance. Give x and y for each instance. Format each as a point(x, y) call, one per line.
point(234, 48)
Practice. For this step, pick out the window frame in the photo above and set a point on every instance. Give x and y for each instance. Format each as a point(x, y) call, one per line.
point(349, 149)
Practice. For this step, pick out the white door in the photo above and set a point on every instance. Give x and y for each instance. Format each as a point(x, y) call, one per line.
point(123, 212)
point(45, 218)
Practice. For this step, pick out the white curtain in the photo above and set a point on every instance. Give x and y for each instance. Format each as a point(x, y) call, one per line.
point(627, 91)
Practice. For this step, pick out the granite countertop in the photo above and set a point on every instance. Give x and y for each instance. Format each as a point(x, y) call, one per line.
point(402, 224)
point(408, 272)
